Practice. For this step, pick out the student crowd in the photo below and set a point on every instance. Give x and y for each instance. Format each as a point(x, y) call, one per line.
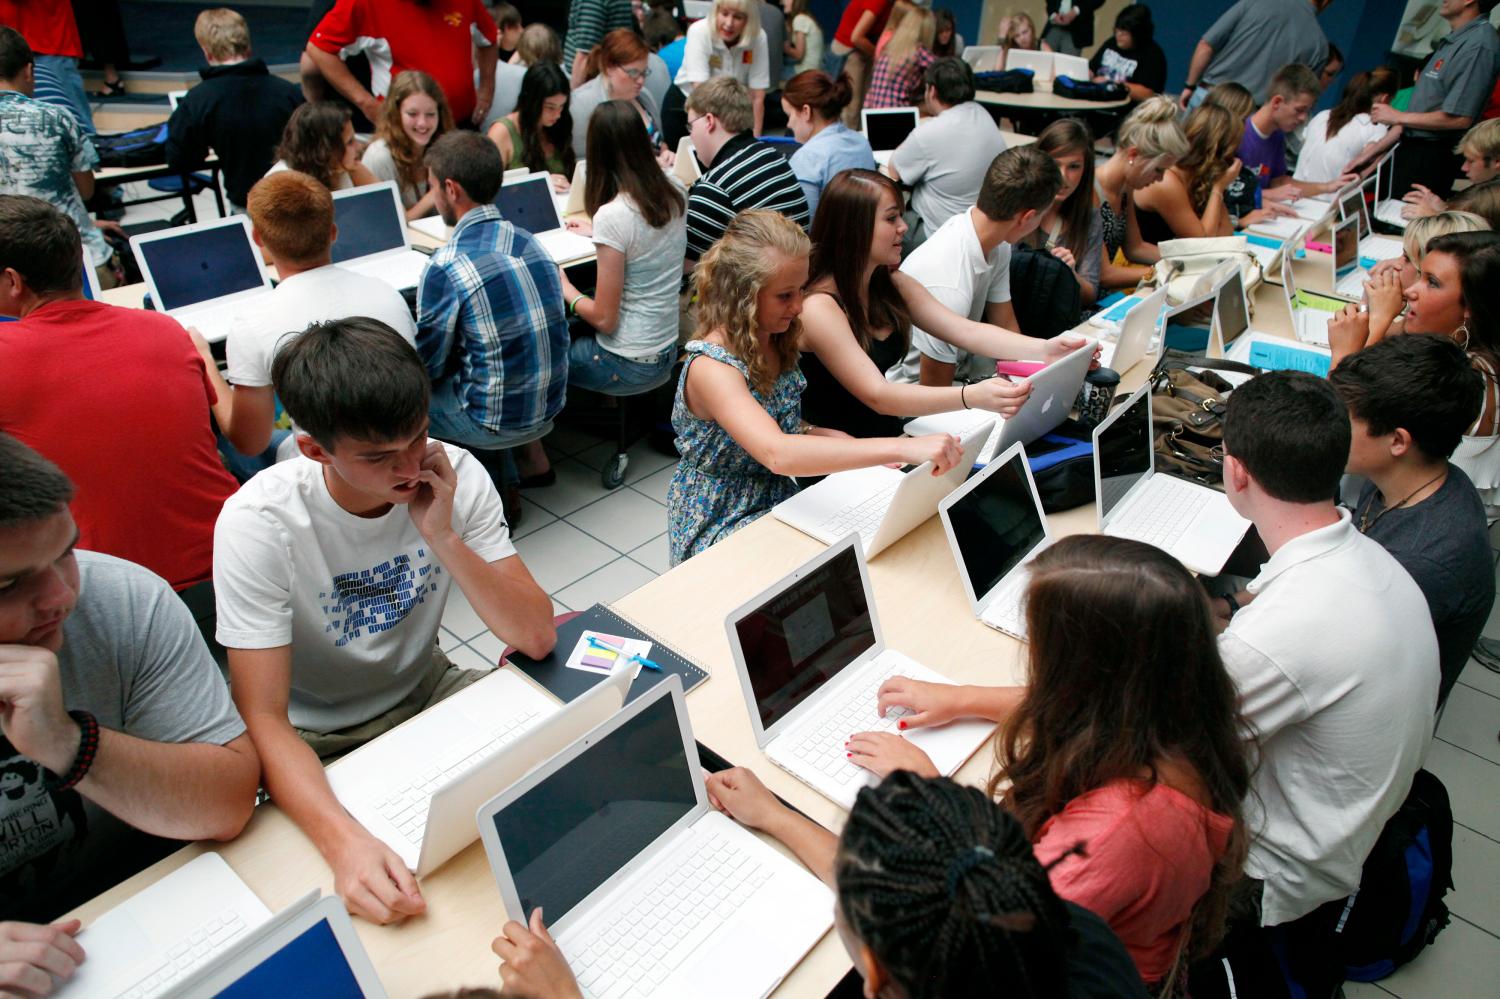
point(1180, 768)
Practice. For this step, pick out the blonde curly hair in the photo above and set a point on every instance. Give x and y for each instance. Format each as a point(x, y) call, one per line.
point(732, 273)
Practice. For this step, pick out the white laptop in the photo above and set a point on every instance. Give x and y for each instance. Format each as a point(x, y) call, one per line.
point(886, 129)
point(372, 237)
point(207, 275)
point(882, 505)
point(1286, 228)
point(1193, 523)
point(1236, 341)
point(647, 889)
point(573, 203)
point(1040, 63)
point(1137, 334)
point(1072, 66)
point(1310, 311)
point(996, 526)
point(983, 58)
point(145, 945)
point(811, 659)
point(310, 948)
point(1188, 326)
point(1352, 204)
point(1387, 201)
point(388, 785)
point(1347, 276)
point(528, 204)
point(1053, 390)
point(685, 165)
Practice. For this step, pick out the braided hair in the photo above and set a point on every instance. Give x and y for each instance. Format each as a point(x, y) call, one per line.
point(942, 886)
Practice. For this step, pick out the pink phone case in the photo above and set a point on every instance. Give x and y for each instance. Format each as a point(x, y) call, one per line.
point(1020, 369)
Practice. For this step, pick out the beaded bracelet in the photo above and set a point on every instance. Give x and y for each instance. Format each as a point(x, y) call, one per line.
point(88, 749)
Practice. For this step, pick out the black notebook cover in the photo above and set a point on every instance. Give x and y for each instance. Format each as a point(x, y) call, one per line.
point(566, 684)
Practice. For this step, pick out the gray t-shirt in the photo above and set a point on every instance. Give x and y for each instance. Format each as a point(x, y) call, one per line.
point(589, 96)
point(944, 160)
point(1459, 77)
point(773, 23)
point(507, 92)
point(653, 274)
point(1443, 542)
point(379, 160)
point(133, 657)
point(1255, 38)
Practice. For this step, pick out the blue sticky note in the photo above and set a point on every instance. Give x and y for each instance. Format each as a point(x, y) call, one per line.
point(1285, 357)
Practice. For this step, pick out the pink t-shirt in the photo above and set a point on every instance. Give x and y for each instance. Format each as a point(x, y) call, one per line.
point(1151, 853)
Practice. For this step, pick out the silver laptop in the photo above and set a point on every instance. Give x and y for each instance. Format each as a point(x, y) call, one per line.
point(206, 275)
point(811, 659)
point(310, 948)
point(1193, 523)
point(1053, 390)
point(528, 204)
point(1137, 333)
point(887, 128)
point(372, 237)
point(882, 505)
point(156, 938)
point(646, 888)
point(388, 785)
point(996, 526)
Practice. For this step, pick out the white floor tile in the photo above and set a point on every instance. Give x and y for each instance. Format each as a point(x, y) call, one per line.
point(577, 486)
point(560, 554)
point(1471, 721)
point(489, 645)
point(459, 617)
point(623, 520)
point(608, 584)
point(448, 640)
point(644, 459)
point(1477, 676)
point(558, 607)
point(1364, 990)
point(655, 484)
point(654, 554)
point(533, 517)
point(1471, 786)
point(1463, 963)
point(1476, 879)
point(469, 658)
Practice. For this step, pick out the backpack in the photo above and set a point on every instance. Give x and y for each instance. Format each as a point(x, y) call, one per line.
point(1005, 81)
point(137, 147)
point(1088, 90)
point(1044, 293)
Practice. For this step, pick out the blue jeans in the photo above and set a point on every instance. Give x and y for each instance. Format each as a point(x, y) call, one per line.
point(450, 422)
point(833, 63)
point(244, 467)
point(1198, 97)
point(65, 68)
point(592, 367)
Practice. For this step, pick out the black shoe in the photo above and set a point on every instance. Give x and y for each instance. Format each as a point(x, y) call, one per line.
point(115, 89)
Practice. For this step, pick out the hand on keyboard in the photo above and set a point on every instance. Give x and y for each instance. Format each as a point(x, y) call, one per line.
point(882, 752)
point(31, 955)
point(534, 968)
point(926, 703)
point(372, 880)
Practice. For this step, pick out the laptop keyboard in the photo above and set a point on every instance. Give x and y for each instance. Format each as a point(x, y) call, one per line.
point(863, 518)
point(651, 935)
point(1008, 610)
point(406, 807)
point(173, 963)
point(822, 745)
point(1389, 212)
point(1381, 248)
point(1165, 516)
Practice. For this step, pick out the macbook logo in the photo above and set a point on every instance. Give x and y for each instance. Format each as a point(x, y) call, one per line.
point(1048, 404)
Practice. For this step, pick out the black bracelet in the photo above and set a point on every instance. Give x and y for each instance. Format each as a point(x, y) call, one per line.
point(1232, 604)
point(88, 749)
point(961, 390)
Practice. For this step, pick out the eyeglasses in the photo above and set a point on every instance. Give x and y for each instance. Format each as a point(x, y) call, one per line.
point(635, 74)
point(693, 121)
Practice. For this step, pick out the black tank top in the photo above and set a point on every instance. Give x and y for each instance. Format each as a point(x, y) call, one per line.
point(827, 403)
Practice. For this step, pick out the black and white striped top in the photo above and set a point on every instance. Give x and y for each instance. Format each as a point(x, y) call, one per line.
point(747, 173)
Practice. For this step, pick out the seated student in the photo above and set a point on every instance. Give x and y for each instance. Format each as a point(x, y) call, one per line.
point(813, 101)
point(1480, 199)
point(1480, 149)
point(1189, 200)
point(1017, 30)
point(539, 43)
point(239, 110)
point(947, 41)
point(639, 227)
point(739, 171)
point(413, 116)
point(939, 894)
point(729, 42)
point(1131, 55)
point(1344, 135)
point(1242, 198)
point(508, 29)
point(945, 157)
point(117, 397)
point(1070, 228)
point(319, 141)
point(1410, 399)
point(860, 309)
point(491, 325)
point(804, 39)
point(1148, 143)
point(1096, 750)
point(902, 61)
point(616, 71)
point(331, 571)
point(1333, 653)
point(119, 732)
point(538, 134)
point(291, 218)
point(965, 266)
point(1292, 93)
point(738, 416)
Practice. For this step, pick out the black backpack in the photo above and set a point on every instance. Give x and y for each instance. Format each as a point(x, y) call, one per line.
point(1005, 81)
point(1044, 293)
point(137, 147)
point(1088, 90)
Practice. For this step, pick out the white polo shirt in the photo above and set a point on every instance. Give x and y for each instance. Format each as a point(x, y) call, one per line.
point(705, 56)
point(1337, 668)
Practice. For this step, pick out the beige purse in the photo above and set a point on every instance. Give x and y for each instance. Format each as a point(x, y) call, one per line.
point(1191, 268)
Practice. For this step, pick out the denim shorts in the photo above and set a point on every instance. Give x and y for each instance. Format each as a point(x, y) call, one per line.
point(592, 367)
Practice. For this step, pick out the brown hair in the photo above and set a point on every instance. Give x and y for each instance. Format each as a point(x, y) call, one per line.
point(406, 154)
point(1125, 676)
point(1482, 200)
point(1212, 141)
point(620, 162)
point(842, 233)
point(1235, 98)
point(539, 43)
point(1292, 81)
point(1020, 178)
point(726, 99)
point(1359, 96)
point(313, 141)
point(1071, 135)
point(617, 48)
point(222, 33)
point(816, 89)
point(293, 215)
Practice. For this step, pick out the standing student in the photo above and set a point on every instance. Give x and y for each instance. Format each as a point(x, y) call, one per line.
point(1131, 55)
point(414, 114)
point(1480, 149)
point(1344, 135)
point(319, 141)
point(589, 23)
point(729, 42)
point(616, 71)
point(1097, 750)
point(538, 134)
point(852, 49)
point(1070, 228)
point(804, 38)
point(1070, 25)
point(1292, 92)
point(738, 415)
point(1148, 143)
point(508, 28)
point(1188, 201)
point(638, 224)
point(1251, 41)
point(812, 102)
point(860, 310)
point(902, 62)
point(331, 572)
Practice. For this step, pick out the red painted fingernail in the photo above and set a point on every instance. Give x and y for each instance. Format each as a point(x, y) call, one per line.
point(850, 755)
point(901, 725)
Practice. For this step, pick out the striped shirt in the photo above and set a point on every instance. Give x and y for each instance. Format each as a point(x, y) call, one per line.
point(589, 21)
point(746, 174)
point(490, 313)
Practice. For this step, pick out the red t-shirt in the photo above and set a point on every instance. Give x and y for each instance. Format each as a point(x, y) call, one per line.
point(48, 28)
point(398, 35)
point(119, 400)
point(852, 13)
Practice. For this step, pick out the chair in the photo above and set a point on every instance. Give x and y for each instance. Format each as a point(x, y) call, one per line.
point(628, 420)
point(187, 186)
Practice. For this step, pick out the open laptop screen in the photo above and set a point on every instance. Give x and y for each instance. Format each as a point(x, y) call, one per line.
point(1230, 312)
point(528, 205)
point(1345, 248)
point(312, 964)
point(201, 265)
point(368, 223)
point(1124, 453)
point(572, 832)
point(996, 524)
point(1352, 206)
point(888, 129)
point(805, 634)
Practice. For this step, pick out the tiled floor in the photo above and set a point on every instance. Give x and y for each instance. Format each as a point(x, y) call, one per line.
point(585, 544)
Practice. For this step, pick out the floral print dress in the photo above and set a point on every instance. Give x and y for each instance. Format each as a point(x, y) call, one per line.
point(718, 487)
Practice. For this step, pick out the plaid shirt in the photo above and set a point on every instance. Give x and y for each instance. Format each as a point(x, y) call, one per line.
point(490, 312)
point(890, 86)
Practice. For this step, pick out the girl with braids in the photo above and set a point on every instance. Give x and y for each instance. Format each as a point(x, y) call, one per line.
point(738, 413)
point(1128, 739)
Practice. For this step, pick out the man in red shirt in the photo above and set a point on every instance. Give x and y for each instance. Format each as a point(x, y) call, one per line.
point(118, 398)
point(52, 33)
point(852, 50)
point(435, 36)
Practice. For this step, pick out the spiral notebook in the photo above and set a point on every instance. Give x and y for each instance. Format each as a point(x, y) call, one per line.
point(566, 684)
